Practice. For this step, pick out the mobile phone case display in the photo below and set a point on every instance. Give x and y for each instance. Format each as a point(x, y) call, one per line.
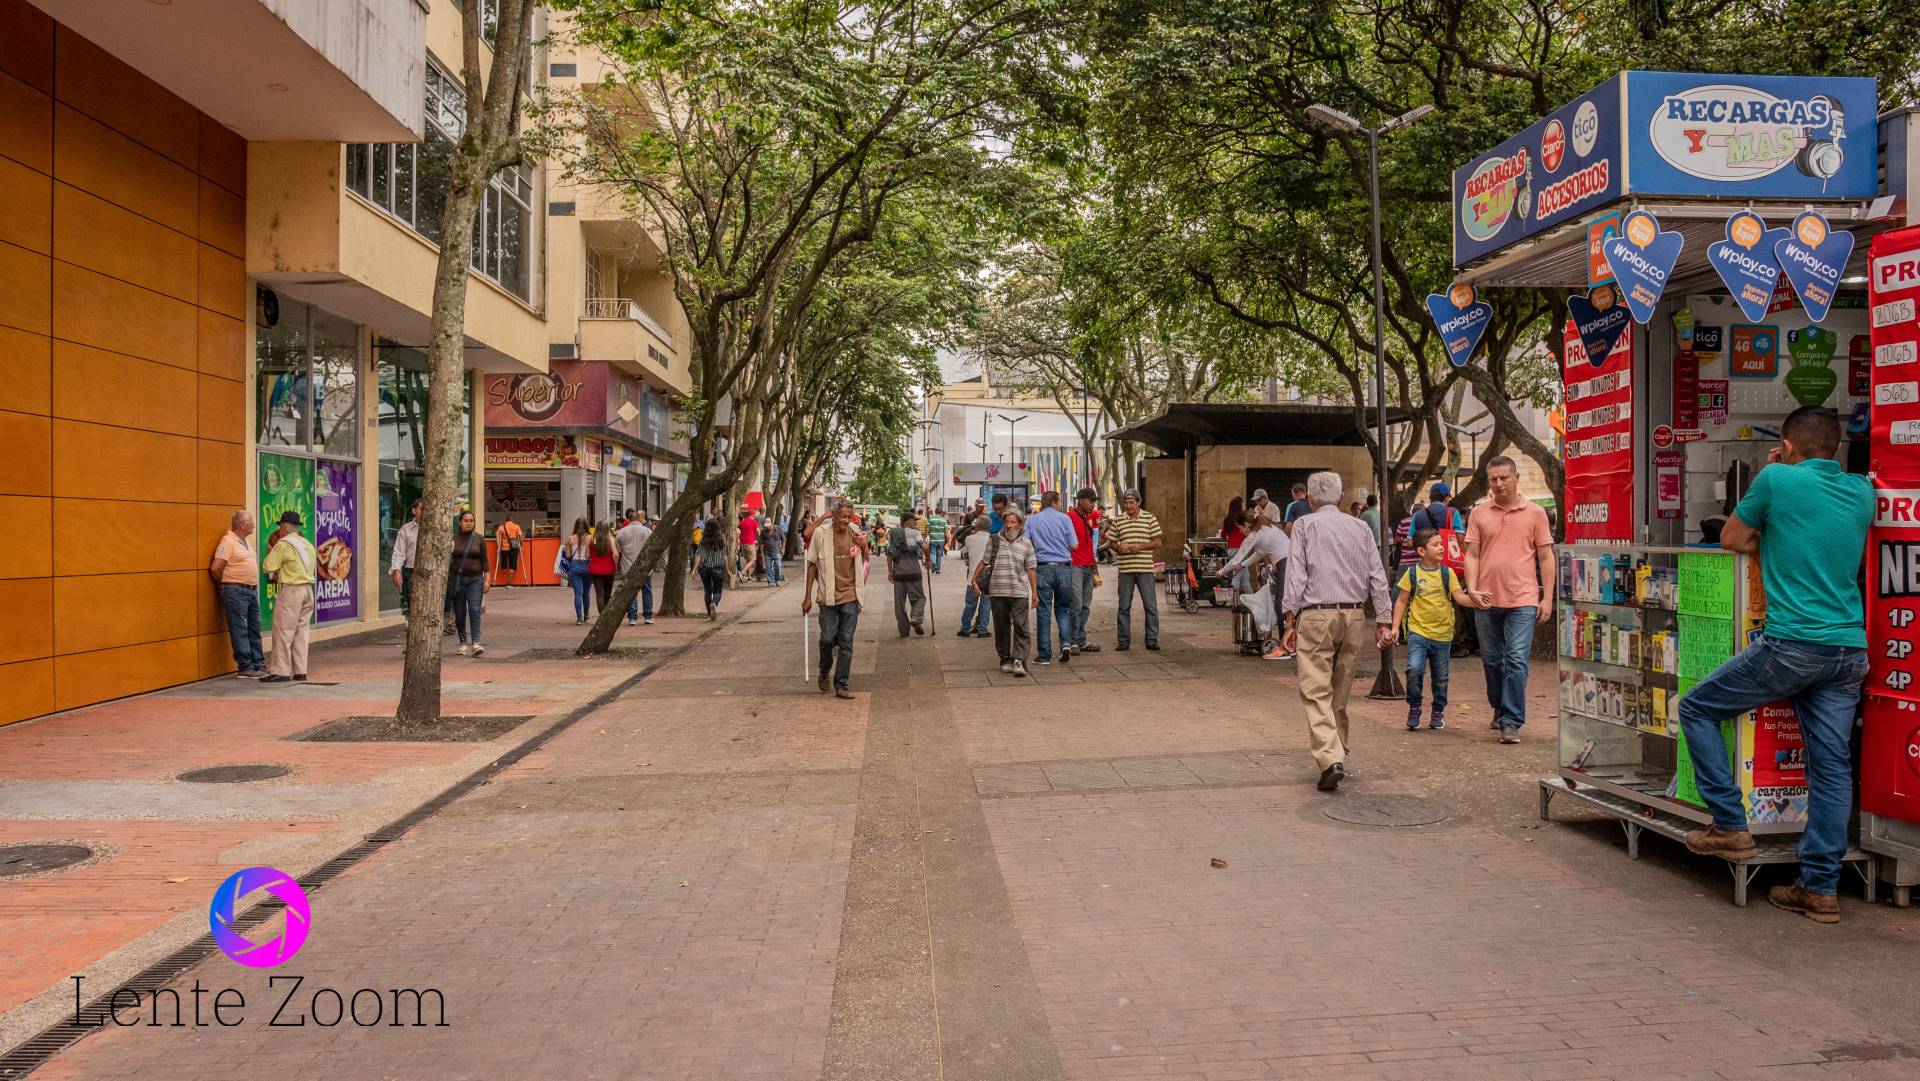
point(1638, 628)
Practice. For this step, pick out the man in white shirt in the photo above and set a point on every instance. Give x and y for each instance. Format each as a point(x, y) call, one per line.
point(406, 542)
point(627, 542)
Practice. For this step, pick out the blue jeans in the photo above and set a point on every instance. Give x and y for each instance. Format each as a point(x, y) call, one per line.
point(1143, 582)
point(641, 606)
point(1082, 602)
point(1823, 684)
point(1056, 607)
point(582, 583)
point(242, 605)
point(770, 560)
point(974, 614)
point(1426, 655)
point(933, 555)
point(837, 624)
point(469, 591)
point(1506, 639)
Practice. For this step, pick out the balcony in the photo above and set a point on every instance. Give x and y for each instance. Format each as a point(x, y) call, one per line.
point(273, 70)
point(618, 330)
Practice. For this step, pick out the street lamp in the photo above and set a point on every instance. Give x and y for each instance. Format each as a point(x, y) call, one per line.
point(1013, 452)
point(1388, 683)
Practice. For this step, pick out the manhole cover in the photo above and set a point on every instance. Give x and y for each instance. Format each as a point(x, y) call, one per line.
point(16, 860)
point(236, 774)
point(1384, 811)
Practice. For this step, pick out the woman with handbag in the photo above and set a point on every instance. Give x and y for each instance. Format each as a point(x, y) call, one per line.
point(603, 561)
point(470, 584)
point(571, 567)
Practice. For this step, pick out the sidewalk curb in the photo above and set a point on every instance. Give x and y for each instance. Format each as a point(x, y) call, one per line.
point(36, 1050)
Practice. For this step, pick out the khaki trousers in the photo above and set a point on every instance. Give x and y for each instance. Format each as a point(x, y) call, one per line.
point(1328, 644)
point(292, 611)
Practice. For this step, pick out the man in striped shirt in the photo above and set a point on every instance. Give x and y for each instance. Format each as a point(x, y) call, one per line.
point(1132, 534)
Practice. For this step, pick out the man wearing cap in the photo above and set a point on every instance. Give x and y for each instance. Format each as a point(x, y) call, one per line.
point(1086, 566)
point(291, 566)
point(1266, 508)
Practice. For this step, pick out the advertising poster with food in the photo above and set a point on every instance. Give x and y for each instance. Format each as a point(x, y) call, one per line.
point(1599, 444)
point(286, 484)
point(335, 505)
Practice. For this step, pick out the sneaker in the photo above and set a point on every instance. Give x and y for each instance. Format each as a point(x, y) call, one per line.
point(1818, 907)
point(1066, 655)
point(466, 650)
point(1086, 649)
point(276, 679)
point(631, 622)
point(1437, 724)
point(1020, 669)
point(478, 649)
point(255, 673)
point(963, 634)
point(1509, 733)
point(1413, 720)
point(1046, 662)
point(1122, 648)
point(1733, 845)
point(842, 692)
point(648, 621)
point(1276, 654)
point(1007, 667)
point(824, 685)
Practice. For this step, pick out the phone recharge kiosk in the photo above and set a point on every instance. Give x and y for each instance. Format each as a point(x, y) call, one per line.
point(1711, 233)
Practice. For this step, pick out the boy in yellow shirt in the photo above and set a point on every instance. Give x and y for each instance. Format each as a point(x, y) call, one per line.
point(1424, 613)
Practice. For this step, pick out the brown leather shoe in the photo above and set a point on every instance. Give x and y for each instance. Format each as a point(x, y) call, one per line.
point(1727, 844)
point(1818, 907)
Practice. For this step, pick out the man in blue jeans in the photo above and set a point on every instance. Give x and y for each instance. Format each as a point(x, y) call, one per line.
point(1806, 519)
point(1054, 541)
point(976, 610)
point(1510, 572)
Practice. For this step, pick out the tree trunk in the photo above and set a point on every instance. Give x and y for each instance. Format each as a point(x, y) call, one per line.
point(446, 364)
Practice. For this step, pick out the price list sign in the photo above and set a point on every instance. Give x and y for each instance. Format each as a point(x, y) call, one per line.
point(1893, 297)
point(1599, 445)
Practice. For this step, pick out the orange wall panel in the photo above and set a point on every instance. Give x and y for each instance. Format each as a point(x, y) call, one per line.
point(215, 650)
point(26, 446)
point(26, 295)
point(93, 157)
point(26, 689)
point(27, 526)
point(223, 282)
point(26, 43)
point(27, 195)
point(223, 409)
point(98, 235)
point(83, 678)
point(26, 371)
point(223, 346)
point(223, 156)
point(27, 632)
point(96, 461)
point(100, 536)
point(93, 81)
point(223, 218)
point(107, 313)
point(105, 611)
point(26, 123)
point(223, 473)
point(110, 388)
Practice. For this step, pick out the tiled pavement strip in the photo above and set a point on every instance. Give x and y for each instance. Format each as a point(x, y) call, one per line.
point(724, 874)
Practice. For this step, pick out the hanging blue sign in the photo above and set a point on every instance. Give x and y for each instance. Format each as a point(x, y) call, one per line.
point(1746, 262)
point(1599, 318)
point(1641, 257)
point(1462, 317)
point(1814, 255)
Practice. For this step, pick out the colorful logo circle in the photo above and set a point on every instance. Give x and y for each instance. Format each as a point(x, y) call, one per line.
point(1812, 230)
point(1553, 146)
point(1460, 296)
point(281, 947)
point(1641, 230)
point(1586, 128)
point(1746, 229)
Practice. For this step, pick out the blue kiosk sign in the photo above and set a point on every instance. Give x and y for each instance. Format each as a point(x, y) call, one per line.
point(1658, 134)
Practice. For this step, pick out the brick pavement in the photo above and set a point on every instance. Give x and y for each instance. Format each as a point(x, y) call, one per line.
point(723, 874)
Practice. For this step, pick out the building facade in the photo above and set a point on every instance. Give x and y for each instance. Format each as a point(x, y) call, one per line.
point(218, 230)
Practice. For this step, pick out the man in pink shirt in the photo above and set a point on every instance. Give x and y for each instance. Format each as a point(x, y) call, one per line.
point(1510, 573)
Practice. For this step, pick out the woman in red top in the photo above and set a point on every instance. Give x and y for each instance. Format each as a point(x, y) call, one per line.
point(1230, 527)
point(601, 563)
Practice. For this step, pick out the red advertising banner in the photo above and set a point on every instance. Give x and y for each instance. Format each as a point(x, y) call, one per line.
point(1890, 758)
point(1599, 442)
point(1893, 295)
point(1893, 592)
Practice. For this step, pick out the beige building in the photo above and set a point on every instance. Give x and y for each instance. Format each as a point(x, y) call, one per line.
point(975, 422)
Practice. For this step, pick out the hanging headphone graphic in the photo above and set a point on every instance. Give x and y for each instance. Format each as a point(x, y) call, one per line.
point(1822, 158)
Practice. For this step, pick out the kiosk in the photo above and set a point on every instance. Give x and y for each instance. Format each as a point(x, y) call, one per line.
point(1713, 233)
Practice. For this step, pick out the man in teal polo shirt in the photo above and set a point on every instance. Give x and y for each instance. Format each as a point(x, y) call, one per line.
point(1806, 519)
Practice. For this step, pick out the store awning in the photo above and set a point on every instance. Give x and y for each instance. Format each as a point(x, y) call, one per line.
point(1182, 426)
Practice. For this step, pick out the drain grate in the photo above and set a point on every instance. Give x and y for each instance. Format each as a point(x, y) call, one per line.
point(239, 773)
point(1391, 811)
point(20, 860)
point(475, 729)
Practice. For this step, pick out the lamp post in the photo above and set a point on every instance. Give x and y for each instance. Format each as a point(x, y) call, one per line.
point(1387, 685)
point(1013, 453)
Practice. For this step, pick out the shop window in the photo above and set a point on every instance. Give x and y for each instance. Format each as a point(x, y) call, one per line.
point(307, 382)
point(403, 446)
point(409, 181)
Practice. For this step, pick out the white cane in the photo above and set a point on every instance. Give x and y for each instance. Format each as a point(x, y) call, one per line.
point(805, 654)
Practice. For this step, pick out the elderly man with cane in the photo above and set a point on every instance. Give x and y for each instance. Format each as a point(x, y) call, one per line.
point(1333, 570)
point(836, 576)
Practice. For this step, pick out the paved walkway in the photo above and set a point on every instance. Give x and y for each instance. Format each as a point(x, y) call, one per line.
point(721, 873)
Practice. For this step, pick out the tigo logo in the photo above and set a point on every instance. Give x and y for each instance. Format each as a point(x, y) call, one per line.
point(275, 950)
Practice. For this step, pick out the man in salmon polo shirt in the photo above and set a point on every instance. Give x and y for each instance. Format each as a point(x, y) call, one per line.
point(1510, 572)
